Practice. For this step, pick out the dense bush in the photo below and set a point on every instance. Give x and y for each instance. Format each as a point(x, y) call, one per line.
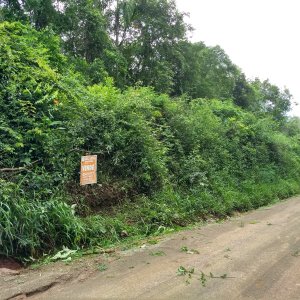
point(162, 162)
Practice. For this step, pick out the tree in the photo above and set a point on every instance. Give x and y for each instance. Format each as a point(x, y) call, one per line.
point(134, 41)
point(11, 10)
point(40, 13)
point(270, 99)
point(84, 29)
point(292, 127)
point(85, 33)
point(148, 33)
point(243, 93)
point(205, 72)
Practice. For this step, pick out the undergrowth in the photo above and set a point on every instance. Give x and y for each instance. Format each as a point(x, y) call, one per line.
point(163, 162)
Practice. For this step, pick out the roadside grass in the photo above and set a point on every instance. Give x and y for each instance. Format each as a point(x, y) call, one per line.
point(138, 236)
point(145, 220)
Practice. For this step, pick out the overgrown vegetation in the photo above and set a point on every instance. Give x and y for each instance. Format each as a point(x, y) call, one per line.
point(214, 143)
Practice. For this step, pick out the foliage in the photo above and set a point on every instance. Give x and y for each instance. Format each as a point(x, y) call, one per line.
point(163, 162)
point(28, 228)
point(144, 43)
point(205, 72)
point(271, 100)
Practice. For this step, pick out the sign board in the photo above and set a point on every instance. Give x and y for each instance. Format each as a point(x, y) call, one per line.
point(88, 170)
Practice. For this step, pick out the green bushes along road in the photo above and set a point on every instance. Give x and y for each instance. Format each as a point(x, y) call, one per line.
point(163, 160)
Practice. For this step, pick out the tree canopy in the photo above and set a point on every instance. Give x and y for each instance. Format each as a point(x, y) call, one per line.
point(144, 42)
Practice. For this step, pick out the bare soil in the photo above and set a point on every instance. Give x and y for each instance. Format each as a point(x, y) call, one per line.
point(251, 256)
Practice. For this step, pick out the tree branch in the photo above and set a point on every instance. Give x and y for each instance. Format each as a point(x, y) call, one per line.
point(83, 150)
point(19, 168)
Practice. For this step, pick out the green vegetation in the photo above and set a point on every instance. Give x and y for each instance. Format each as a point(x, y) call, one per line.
point(102, 267)
point(157, 253)
point(188, 273)
point(180, 133)
point(189, 251)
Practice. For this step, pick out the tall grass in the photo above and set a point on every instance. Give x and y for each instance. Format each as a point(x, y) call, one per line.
point(30, 228)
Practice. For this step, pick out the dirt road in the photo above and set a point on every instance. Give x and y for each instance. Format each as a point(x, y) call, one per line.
point(254, 256)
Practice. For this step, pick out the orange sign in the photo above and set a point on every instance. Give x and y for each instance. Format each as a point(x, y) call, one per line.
point(88, 170)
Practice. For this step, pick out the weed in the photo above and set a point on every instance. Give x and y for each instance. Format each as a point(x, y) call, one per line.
point(183, 271)
point(184, 249)
point(102, 267)
point(189, 251)
point(157, 253)
point(203, 279)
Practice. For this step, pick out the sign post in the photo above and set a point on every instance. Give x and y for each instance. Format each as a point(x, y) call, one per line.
point(88, 170)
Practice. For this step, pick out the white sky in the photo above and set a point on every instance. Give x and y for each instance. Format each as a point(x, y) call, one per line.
point(262, 37)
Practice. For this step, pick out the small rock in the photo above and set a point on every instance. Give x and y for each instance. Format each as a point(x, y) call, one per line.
point(124, 233)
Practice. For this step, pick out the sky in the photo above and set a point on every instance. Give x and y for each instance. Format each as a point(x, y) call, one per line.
point(262, 37)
